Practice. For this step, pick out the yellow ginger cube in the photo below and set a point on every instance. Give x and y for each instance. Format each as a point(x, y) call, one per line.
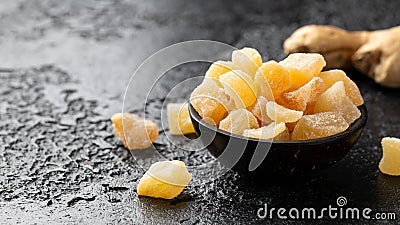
point(218, 68)
point(332, 76)
point(239, 87)
point(134, 132)
point(305, 96)
point(303, 67)
point(319, 125)
point(238, 120)
point(276, 131)
point(277, 76)
point(165, 179)
point(262, 87)
point(208, 100)
point(179, 119)
point(259, 109)
point(335, 100)
point(390, 162)
point(279, 113)
point(248, 60)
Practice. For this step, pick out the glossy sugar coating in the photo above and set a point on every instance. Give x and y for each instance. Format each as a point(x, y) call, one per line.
point(238, 120)
point(335, 100)
point(276, 131)
point(239, 87)
point(218, 68)
point(332, 76)
point(134, 132)
point(248, 60)
point(165, 179)
point(279, 113)
point(303, 67)
point(276, 75)
point(208, 100)
point(390, 162)
point(259, 109)
point(305, 96)
point(319, 125)
point(179, 121)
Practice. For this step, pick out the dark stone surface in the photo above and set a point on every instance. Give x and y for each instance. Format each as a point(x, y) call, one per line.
point(66, 64)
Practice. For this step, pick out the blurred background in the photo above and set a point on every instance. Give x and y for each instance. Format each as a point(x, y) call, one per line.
point(104, 39)
point(64, 66)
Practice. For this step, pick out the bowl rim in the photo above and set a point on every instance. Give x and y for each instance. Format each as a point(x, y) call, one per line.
point(353, 128)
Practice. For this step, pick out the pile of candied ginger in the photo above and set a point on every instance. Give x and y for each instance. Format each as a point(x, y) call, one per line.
point(287, 100)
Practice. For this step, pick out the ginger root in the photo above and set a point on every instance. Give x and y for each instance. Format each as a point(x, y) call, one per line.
point(374, 53)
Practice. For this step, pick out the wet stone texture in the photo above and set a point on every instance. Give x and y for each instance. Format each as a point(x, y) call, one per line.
point(64, 68)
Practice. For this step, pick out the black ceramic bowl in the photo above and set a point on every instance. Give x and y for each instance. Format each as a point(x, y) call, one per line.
point(284, 157)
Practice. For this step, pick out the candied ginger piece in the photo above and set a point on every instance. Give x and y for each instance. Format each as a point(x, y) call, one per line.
point(248, 60)
point(179, 119)
point(259, 109)
point(305, 96)
point(134, 132)
point(262, 87)
point(218, 68)
point(335, 100)
point(208, 99)
point(279, 113)
point(165, 179)
point(319, 125)
point(226, 101)
point(276, 75)
point(303, 67)
point(238, 120)
point(332, 76)
point(272, 131)
point(239, 87)
point(390, 162)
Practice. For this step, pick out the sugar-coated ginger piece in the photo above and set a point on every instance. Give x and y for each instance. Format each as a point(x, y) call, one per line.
point(277, 76)
point(218, 68)
point(165, 179)
point(319, 125)
point(238, 120)
point(279, 113)
point(303, 67)
point(262, 87)
point(239, 86)
point(259, 109)
point(335, 100)
point(332, 76)
point(276, 131)
point(134, 132)
point(208, 100)
point(179, 119)
point(390, 162)
point(248, 60)
point(305, 96)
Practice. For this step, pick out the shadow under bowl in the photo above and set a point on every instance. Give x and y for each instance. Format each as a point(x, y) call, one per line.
point(300, 157)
